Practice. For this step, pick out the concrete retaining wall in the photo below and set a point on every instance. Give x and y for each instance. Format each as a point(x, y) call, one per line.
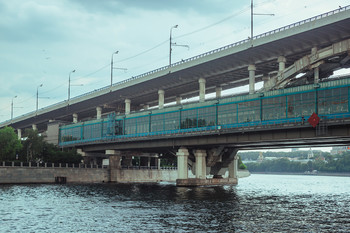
point(27, 175)
point(143, 175)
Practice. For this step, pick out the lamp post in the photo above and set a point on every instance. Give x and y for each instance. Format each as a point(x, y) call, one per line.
point(252, 18)
point(12, 107)
point(69, 84)
point(116, 52)
point(170, 43)
point(37, 96)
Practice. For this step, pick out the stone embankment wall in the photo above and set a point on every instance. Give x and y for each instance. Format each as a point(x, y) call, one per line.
point(27, 175)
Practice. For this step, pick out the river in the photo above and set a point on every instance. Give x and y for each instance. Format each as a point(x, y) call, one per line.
point(259, 203)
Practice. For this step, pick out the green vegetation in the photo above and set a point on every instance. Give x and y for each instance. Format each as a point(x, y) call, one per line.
point(9, 144)
point(322, 162)
point(278, 165)
point(32, 149)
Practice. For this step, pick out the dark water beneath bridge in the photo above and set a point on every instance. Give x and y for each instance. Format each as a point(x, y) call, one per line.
point(260, 203)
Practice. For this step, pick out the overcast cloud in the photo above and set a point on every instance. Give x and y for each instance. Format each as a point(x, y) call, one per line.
point(41, 41)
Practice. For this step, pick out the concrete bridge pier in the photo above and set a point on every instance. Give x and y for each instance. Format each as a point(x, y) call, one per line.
point(182, 164)
point(217, 164)
point(114, 164)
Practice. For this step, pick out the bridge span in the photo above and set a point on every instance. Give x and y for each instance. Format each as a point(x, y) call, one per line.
point(299, 105)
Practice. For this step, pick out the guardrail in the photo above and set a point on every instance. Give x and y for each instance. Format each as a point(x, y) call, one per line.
point(50, 165)
point(321, 16)
point(148, 168)
point(220, 129)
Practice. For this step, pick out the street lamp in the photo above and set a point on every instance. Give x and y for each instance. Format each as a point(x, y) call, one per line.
point(69, 84)
point(116, 52)
point(170, 43)
point(251, 19)
point(174, 44)
point(12, 107)
point(37, 97)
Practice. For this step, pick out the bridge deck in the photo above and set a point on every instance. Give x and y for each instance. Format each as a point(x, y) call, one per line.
point(226, 67)
point(275, 110)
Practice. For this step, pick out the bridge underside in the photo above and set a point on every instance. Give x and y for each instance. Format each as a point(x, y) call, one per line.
point(286, 136)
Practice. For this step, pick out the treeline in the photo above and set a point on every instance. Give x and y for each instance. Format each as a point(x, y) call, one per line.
point(332, 164)
point(33, 148)
point(302, 154)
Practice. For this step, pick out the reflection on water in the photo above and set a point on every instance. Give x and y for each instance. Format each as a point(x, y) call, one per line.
point(260, 203)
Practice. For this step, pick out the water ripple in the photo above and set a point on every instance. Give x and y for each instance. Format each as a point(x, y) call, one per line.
point(260, 203)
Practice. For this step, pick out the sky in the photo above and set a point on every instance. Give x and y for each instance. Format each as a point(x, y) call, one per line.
point(42, 41)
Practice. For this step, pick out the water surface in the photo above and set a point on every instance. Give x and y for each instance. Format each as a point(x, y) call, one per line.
point(260, 203)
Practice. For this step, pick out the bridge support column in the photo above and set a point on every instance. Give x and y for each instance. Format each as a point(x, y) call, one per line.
point(316, 75)
point(34, 127)
point(200, 164)
point(178, 100)
point(75, 118)
point(265, 79)
point(281, 63)
point(127, 106)
point(19, 134)
point(233, 168)
point(218, 92)
point(98, 113)
point(201, 89)
point(182, 165)
point(158, 163)
point(161, 99)
point(251, 69)
point(114, 164)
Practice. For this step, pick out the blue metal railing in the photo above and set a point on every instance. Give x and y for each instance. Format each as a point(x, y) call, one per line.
point(211, 129)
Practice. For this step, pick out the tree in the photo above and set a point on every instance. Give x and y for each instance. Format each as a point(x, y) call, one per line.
point(52, 154)
point(9, 144)
point(33, 145)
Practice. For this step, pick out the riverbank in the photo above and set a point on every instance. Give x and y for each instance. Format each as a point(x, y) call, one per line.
point(345, 174)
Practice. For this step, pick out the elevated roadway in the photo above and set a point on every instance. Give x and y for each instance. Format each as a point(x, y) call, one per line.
point(223, 68)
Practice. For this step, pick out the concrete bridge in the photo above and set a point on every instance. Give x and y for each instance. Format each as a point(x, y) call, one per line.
point(145, 116)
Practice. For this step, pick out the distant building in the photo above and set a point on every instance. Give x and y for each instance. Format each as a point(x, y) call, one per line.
point(339, 149)
point(295, 149)
point(261, 157)
point(310, 155)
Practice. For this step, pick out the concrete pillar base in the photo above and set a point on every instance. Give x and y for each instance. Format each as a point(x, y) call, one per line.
point(205, 182)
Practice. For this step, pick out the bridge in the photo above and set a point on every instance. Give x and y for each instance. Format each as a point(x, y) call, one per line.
point(299, 105)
